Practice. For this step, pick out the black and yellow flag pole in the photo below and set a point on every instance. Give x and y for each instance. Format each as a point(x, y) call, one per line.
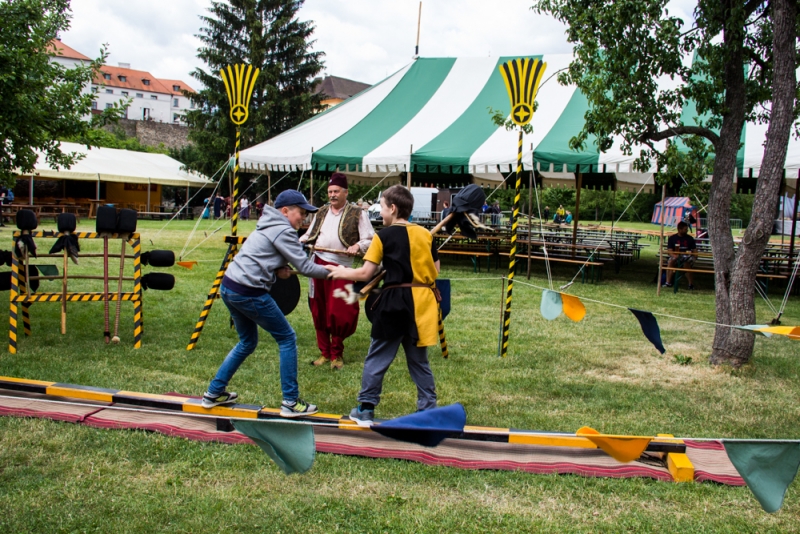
point(239, 83)
point(522, 77)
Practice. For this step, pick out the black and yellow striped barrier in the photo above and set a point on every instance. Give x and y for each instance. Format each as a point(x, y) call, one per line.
point(214, 291)
point(678, 463)
point(21, 297)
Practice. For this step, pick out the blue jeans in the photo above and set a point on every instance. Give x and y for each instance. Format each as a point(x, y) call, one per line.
point(248, 314)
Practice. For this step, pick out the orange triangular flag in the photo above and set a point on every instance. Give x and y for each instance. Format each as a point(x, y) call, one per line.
point(792, 332)
point(622, 448)
point(188, 264)
point(573, 307)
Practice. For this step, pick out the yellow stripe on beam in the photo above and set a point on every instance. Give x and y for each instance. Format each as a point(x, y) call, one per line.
point(25, 381)
point(80, 393)
point(551, 441)
point(223, 411)
point(152, 396)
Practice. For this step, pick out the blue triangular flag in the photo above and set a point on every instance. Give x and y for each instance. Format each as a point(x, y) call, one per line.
point(551, 306)
point(767, 467)
point(290, 445)
point(649, 328)
point(426, 428)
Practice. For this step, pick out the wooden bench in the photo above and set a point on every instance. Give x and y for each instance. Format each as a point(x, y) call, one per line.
point(160, 215)
point(585, 262)
point(473, 255)
point(767, 276)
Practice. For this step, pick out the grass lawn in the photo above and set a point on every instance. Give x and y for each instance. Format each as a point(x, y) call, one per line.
point(559, 376)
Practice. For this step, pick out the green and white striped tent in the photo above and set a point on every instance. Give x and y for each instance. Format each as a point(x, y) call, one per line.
point(433, 116)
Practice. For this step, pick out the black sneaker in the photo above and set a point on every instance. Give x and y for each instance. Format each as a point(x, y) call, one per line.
point(298, 408)
point(363, 418)
point(691, 287)
point(227, 397)
point(666, 285)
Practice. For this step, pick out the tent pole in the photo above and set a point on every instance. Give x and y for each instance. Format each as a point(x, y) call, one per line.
point(187, 200)
point(410, 151)
point(30, 191)
point(794, 224)
point(530, 209)
point(661, 240)
point(579, 184)
point(148, 194)
point(614, 210)
point(98, 187)
point(269, 188)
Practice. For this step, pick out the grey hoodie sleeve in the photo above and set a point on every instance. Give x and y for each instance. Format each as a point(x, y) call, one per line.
point(290, 248)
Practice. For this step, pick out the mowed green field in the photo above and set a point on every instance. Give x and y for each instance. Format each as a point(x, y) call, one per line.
point(558, 376)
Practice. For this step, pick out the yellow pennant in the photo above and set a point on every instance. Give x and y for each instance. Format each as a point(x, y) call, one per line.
point(239, 82)
point(622, 448)
point(522, 77)
point(792, 332)
point(573, 307)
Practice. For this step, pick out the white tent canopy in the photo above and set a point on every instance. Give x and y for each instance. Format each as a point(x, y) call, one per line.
point(124, 166)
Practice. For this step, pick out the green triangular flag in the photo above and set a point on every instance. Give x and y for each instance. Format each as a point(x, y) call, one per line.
point(766, 467)
point(290, 445)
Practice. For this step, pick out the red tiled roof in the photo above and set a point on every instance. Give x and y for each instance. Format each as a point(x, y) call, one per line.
point(57, 48)
point(133, 79)
point(183, 86)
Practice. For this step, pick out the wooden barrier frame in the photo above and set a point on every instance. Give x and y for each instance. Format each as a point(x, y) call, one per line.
point(20, 297)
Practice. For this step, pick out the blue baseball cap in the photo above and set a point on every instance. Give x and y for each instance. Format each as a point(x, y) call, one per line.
point(290, 197)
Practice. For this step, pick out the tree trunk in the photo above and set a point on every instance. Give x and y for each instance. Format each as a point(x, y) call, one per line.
point(736, 274)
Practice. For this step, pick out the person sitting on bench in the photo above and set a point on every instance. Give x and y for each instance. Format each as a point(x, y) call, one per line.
point(678, 245)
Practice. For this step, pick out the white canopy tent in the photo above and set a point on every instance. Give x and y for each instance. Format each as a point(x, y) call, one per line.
point(120, 166)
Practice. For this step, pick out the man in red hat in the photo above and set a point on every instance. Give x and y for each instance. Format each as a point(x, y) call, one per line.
point(344, 227)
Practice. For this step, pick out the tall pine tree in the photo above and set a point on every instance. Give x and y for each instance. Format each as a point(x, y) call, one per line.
point(267, 35)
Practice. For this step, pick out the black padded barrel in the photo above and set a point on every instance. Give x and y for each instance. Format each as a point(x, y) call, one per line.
point(5, 279)
point(106, 220)
point(286, 293)
point(66, 222)
point(158, 281)
point(159, 258)
point(126, 221)
point(26, 220)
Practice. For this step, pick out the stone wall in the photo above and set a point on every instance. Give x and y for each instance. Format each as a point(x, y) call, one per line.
point(153, 133)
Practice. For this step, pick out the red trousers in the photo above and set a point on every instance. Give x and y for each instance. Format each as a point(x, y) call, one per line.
point(334, 319)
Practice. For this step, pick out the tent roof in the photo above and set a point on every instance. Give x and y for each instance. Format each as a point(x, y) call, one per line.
point(672, 202)
point(115, 165)
point(432, 116)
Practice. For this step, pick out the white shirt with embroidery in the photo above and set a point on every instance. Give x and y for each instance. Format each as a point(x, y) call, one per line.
point(329, 237)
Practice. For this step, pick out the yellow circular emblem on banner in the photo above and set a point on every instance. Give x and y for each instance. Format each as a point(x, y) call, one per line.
point(238, 114)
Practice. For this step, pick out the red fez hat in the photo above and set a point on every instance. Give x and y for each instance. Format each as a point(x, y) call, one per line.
point(338, 179)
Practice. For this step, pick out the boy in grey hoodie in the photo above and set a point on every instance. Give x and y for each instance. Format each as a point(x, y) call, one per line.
point(245, 291)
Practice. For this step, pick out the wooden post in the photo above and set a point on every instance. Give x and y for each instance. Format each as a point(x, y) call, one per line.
point(661, 240)
point(410, 152)
point(419, 18)
point(794, 224)
point(579, 184)
point(269, 187)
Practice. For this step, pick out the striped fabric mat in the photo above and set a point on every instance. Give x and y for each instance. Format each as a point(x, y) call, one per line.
point(709, 458)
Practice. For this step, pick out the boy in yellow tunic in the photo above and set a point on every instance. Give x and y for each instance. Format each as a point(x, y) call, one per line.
point(406, 312)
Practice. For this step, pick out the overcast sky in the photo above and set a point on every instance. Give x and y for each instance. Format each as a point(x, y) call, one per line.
point(364, 40)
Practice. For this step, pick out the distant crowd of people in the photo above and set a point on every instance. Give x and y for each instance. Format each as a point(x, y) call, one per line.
point(221, 207)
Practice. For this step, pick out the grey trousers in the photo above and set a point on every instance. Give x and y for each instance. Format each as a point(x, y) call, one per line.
point(381, 355)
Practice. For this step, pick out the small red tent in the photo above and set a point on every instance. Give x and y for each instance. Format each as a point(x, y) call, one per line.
point(675, 209)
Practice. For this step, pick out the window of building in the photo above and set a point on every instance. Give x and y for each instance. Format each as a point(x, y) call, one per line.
point(175, 103)
point(191, 104)
point(176, 117)
point(109, 105)
point(153, 97)
point(139, 95)
point(146, 81)
point(176, 87)
point(122, 78)
point(109, 91)
point(94, 89)
point(145, 113)
point(106, 76)
point(94, 104)
point(124, 93)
